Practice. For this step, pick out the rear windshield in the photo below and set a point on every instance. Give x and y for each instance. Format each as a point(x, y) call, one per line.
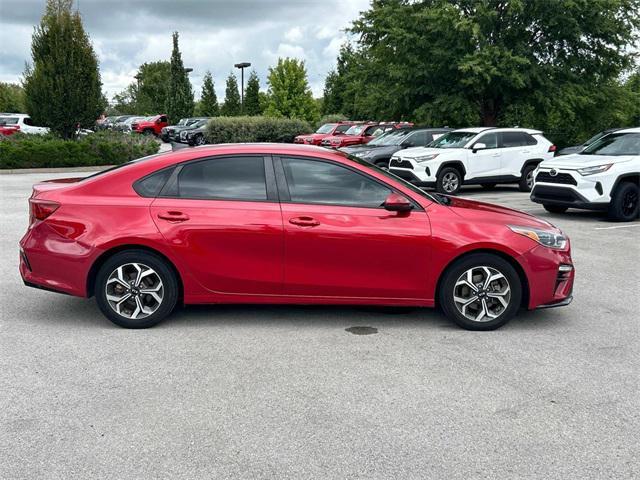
point(8, 120)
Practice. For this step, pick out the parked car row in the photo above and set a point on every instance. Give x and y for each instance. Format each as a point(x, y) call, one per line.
point(604, 175)
point(149, 125)
point(187, 130)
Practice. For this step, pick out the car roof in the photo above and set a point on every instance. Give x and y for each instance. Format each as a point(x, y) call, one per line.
point(628, 130)
point(20, 115)
point(477, 130)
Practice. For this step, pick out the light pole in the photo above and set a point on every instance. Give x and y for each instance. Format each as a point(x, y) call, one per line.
point(242, 66)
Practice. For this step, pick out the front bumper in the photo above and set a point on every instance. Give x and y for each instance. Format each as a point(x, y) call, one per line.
point(568, 188)
point(420, 174)
point(550, 277)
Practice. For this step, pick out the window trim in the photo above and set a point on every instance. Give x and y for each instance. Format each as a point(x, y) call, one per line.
point(285, 196)
point(270, 183)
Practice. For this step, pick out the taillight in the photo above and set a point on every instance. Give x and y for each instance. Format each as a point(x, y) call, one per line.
point(41, 209)
point(552, 148)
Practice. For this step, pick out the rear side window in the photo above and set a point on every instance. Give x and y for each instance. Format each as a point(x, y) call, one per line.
point(517, 139)
point(151, 185)
point(312, 181)
point(231, 178)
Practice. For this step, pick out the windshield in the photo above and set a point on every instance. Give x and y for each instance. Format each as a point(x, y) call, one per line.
point(326, 128)
point(183, 121)
point(8, 120)
point(594, 138)
point(452, 140)
point(615, 144)
point(394, 137)
point(355, 130)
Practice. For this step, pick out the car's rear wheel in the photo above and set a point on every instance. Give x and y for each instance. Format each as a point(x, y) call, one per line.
point(624, 205)
point(554, 208)
point(526, 180)
point(480, 292)
point(449, 181)
point(136, 289)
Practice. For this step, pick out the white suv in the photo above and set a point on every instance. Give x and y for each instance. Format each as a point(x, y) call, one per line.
point(23, 121)
point(484, 156)
point(604, 176)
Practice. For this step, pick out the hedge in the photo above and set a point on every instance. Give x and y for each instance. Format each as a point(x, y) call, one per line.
point(100, 148)
point(254, 129)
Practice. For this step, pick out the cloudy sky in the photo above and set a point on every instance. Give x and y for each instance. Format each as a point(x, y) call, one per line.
point(214, 34)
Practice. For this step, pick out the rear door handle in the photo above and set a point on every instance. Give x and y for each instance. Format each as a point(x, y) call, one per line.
point(173, 216)
point(304, 221)
point(496, 154)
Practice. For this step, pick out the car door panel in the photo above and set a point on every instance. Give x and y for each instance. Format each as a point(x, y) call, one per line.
point(485, 162)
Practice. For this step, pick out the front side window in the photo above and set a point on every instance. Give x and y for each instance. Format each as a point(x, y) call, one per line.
point(312, 181)
point(342, 128)
point(489, 139)
point(615, 144)
point(355, 130)
point(230, 178)
point(453, 140)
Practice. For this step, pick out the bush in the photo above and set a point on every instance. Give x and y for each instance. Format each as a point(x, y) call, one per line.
point(100, 148)
point(254, 129)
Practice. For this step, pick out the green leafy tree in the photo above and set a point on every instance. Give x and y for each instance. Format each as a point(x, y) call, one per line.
point(252, 95)
point(208, 106)
point(289, 92)
point(148, 95)
point(231, 106)
point(332, 101)
point(11, 98)
point(453, 61)
point(62, 86)
point(180, 96)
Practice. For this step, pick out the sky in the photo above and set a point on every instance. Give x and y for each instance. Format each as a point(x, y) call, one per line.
point(214, 35)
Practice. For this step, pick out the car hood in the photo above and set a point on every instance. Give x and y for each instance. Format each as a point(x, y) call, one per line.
point(576, 160)
point(422, 151)
point(315, 136)
point(472, 209)
point(374, 149)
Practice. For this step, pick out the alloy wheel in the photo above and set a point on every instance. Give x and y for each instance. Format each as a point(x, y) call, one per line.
point(450, 182)
point(629, 202)
point(529, 179)
point(481, 294)
point(134, 291)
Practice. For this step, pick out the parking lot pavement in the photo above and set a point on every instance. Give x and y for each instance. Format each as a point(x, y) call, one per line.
point(285, 392)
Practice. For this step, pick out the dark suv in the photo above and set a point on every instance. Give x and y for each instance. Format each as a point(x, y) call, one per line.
point(172, 132)
point(194, 133)
point(379, 150)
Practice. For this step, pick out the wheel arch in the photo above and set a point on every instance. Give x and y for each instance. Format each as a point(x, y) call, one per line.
point(633, 177)
point(457, 164)
point(531, 161)
point(107, 254)
point(505, 256)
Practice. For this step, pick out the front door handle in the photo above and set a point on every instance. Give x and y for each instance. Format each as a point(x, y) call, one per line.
point(304, 221)
point(495, 155)
point(173, 216)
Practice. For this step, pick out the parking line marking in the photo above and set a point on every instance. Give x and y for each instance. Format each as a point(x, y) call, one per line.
point(618, 226)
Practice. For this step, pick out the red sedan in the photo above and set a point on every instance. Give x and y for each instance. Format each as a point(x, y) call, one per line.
point(288, 224)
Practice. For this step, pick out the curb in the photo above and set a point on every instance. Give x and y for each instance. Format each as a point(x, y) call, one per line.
point(54, 170)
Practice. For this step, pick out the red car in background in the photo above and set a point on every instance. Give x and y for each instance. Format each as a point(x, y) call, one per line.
point(6, 130)
point(152, 126)
point(326, 130)
point(284, 224)
point(360, 134)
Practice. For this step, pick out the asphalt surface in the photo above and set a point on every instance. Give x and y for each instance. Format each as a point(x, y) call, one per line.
point(257, 392)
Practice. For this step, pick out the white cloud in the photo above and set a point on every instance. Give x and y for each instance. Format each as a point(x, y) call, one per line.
point(293, 35)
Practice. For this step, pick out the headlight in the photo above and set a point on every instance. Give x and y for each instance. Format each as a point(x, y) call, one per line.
point(425, 158)
point(593, 170)
point(544, 237)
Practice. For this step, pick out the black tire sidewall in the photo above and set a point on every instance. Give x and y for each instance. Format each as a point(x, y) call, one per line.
point(440, 178)
point(615, 206)
point(445, 297)
point(522, 185)
point(555, 208)
point(169, 281)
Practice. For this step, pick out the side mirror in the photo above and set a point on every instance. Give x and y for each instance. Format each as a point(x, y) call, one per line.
point(407, 145)
point(478, 146)
point(397, 203)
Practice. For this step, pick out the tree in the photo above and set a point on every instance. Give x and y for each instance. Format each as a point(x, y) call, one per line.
point(62, 86)
point(252, 95)
point(231, 106)
point(148, 95)
point(458, 59)
point(208, 106)
point(332, 101)
point(180, 96)
point(11, 98)
point(289, 92)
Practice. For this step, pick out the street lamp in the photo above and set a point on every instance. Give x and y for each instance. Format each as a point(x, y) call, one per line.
point(242, 66)
point(188, 70)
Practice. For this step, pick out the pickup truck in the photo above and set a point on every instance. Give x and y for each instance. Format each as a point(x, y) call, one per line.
point(151, 125)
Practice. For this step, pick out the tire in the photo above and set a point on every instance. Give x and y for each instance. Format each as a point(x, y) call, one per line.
point(489, 186)
point(476, 263)
point(199, 140)
point(624, 205)
point(449, 181)
point(109, 282)
point(526, 181)
point(554, 208)
point(148, 132)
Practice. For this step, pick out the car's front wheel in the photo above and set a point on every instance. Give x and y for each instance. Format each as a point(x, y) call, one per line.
point(624, 205)
point(199, 140)
point(136, 289)
point(449, 181)
point(480, 292)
